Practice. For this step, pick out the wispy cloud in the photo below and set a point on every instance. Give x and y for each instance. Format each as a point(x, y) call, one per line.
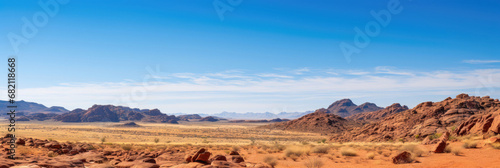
point(213, 92)
point(391, 70)
point(481, 61)
point(272, 75)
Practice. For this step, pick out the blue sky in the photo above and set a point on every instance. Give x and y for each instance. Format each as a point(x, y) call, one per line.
point(180, 56)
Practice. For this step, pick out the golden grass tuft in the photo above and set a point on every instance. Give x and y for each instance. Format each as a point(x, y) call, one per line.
point(297, 151)
point(270, 160)
point(347, 151)
point(414, 149)
point(495, 145)
point(313, 163)
point(370, 155)
point(470, 144)
point(321, 149)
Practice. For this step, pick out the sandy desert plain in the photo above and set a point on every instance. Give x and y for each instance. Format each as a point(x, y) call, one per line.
point(262, 147)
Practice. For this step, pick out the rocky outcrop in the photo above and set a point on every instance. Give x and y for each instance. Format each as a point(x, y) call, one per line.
point(209, 118)
point(320, 121)
point(202, 158)
point(346, 107)
point(403, 157)
point(379, 114)
point(188, 117)
point(429, 118)
point(488, 123)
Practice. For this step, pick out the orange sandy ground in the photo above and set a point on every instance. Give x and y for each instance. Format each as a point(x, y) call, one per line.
point(484, 156)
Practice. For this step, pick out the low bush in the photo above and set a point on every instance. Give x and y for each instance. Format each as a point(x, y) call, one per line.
point(345, 151)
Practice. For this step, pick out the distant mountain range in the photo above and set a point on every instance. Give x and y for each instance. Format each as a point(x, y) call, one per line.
point(258, 116)
point(25, 108)
point(35, 111)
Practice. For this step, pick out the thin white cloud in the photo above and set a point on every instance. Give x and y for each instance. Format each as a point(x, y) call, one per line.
point(271, 75)
point(301, 71)
point(391, 71)
point(357, 72)
point(481, 61)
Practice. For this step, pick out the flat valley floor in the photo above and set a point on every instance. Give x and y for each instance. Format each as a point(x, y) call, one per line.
point(281, 149)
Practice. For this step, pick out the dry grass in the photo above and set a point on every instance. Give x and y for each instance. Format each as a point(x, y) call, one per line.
point(347, 151)
point(495, 145)
point(313, 163)
point(297, 151)
point(218, 133)
point(470, 144)
point(270, 160)
point(321, 149)
point(415, 149)
point(24, 151)
point(52, 154)
point(370, 155)
point(457, 151)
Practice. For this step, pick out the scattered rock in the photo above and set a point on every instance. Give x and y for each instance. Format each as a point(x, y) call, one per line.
point(403, 157)
point(439, 148)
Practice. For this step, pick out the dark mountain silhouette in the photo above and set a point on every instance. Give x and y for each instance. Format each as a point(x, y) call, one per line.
point(26, 108)
point(110, 113)
point(346, 107)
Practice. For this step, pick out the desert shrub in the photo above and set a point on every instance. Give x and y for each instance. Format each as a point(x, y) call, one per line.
point(270, 160)
point(495, 145)
point(321, 149)
point(380, 152)
point(279, 147)
point(156, 140)
point(370, 155)
point(323, 140)
point(387, 154)
point(413, 148)
point(313, 163)
point(103, 139)
point(304, 142)
point(91, 147)
point(23, 151)
point(252, 141)
point(435, 136)
point(236, 148)
point(293, 151)
point(345, 151)
point(456, 151)
point(470, 144)
point(127, 147)
point(447, 149)
point(52, 154)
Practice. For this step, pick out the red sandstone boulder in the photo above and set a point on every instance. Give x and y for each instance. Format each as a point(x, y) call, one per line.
point(439, 148)
point(20, 141)
point(218, 158)
point(53, 145)
point(404, 157)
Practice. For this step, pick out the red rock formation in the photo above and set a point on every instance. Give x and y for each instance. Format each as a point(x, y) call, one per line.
point(346, 107)
point(429, 118)
point(319, 121)
point(379, 114)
